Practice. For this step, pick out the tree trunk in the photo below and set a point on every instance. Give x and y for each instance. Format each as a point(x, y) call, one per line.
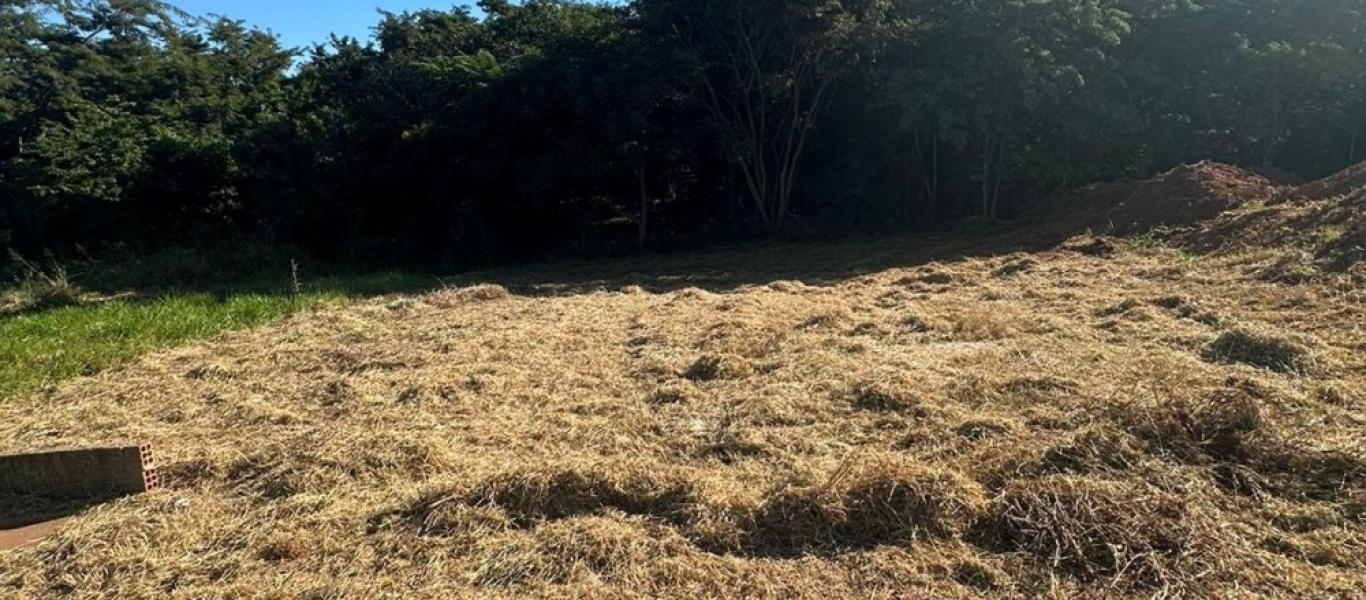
point(929, 169)
point(1352, 148)
point(993, 167)
point(758, 194)
point(767, 134)
point(934, 168)
point(643, 222)
point(999, 173)
point(802, 118)
point(909, 189)
point(986, 175)
point(1275, 131)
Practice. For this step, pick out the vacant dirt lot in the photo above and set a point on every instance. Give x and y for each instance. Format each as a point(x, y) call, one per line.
point(933, 418)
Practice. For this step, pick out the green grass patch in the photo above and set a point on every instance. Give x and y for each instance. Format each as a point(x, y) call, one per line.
point(1148, 240)
point(1327, 237)
point(59, 321)
point(47, 347)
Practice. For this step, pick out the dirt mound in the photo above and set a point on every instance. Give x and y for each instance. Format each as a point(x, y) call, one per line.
point(1349, 181)
point(1186, 194)
point(1334, 218)
point(1182, 196)
point(1317, 228)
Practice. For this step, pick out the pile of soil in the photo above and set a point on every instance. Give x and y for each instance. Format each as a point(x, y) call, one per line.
point(1324, 222)
point(1348, 182)
point(1184, 195)
point(1306, 231)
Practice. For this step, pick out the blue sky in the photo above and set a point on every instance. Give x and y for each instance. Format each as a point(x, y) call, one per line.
point(301, 23)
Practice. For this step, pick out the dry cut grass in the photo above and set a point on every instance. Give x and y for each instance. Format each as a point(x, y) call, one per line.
point(1099, 420)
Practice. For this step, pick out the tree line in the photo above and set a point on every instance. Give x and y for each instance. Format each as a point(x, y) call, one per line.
point(552, 126)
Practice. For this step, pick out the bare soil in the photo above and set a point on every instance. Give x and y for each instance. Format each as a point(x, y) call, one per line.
point(1187, 194)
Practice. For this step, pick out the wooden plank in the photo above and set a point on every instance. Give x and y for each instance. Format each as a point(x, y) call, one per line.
point(87, 473)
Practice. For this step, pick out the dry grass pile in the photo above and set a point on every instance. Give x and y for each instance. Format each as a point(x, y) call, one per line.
point(38, 287)
point(867, 502)
point(712, 367)
point(1265, 349)
point(529, 497)
point(452, 297)
point(884, 392)
point(1106, 420)
point(1096, 449)
point(1126, 534)
point(1214, 425)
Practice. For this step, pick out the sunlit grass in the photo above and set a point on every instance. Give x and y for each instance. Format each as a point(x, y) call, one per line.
point(57, 324)
point(47, 347)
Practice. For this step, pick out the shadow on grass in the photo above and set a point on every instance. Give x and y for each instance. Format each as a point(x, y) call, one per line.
point(23, 510)
point(225, 270)
point(130, 308)
point(252, 269)
point(727, 269)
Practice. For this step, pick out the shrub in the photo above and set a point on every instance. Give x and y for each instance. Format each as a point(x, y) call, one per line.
point(38, 288)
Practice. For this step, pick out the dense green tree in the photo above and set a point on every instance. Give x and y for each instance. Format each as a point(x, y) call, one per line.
point(989, 78)
point(547, 126)
point(764, 72)
point(1263, 83)
point(133, 119)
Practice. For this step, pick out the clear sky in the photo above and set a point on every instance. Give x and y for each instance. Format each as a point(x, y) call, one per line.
point(301, 23)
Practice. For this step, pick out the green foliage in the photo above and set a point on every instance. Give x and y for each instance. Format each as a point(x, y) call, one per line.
point(49, 346)
point(92, 156)
point(993, 80)
point(53, 328)
point(129, 121)
point(551, 126)
point(764, 71)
